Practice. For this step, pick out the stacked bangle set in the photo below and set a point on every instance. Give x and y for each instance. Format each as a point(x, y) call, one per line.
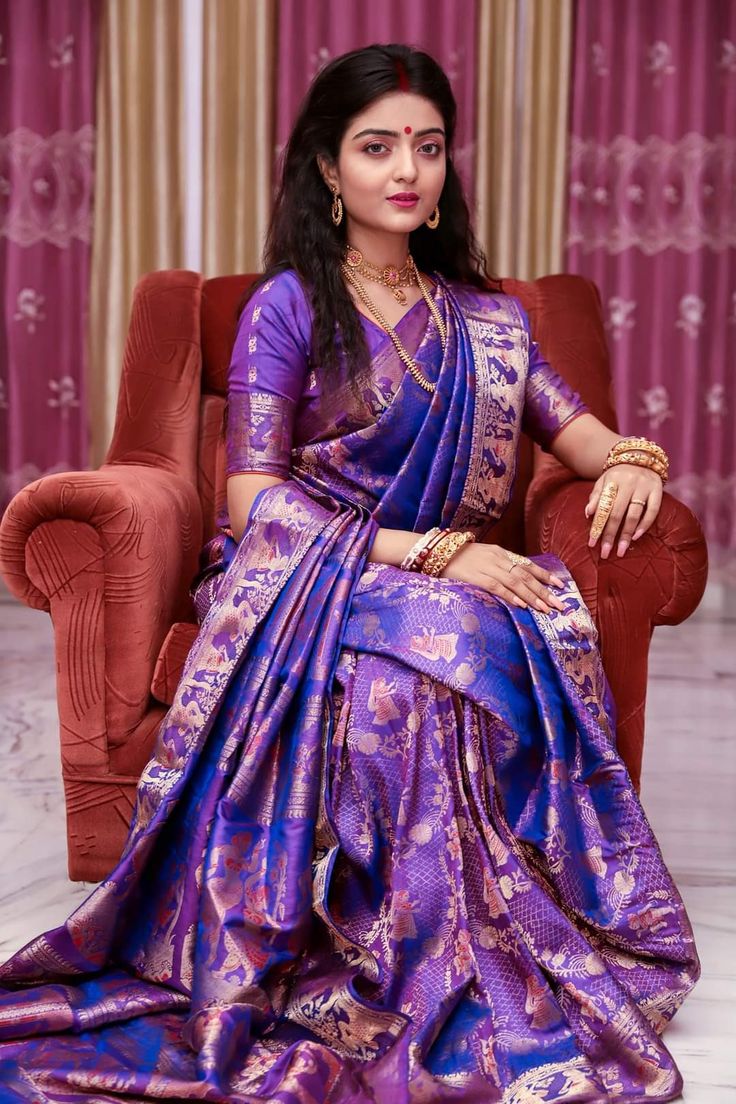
point(434, 550)
point(641, 452)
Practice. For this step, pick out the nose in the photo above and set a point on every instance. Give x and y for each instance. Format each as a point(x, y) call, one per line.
point(406, 166)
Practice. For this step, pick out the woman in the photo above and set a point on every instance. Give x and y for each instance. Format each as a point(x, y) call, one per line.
point(385, 849)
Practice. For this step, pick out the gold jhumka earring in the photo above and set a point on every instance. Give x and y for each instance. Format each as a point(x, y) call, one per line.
point(336, 207)
point(434, 219)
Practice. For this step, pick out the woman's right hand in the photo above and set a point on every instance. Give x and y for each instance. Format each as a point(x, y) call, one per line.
point(488, 566)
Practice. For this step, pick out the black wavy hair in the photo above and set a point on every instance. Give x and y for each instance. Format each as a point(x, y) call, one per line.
point(301, 234)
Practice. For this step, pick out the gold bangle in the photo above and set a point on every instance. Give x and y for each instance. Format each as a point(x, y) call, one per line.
point(638, 460)
point(639, 446)
point(626, 444)
point(635, 457)
point(441, 555)
point(643, 458)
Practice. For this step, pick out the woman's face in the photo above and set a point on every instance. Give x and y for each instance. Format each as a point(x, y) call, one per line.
point(391, 165)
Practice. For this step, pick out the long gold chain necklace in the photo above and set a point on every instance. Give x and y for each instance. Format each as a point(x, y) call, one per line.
point(410, 363)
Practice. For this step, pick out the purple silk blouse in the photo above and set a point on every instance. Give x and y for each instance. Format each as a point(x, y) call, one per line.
point(275, 400)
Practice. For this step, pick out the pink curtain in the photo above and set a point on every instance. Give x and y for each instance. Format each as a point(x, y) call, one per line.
point(652, 220)
point(312, 32)
point(48, 52)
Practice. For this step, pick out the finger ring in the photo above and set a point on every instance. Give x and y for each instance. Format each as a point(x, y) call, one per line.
point(517, 559)
point(638, 501)
point(599, 523)
point(605, 505)
point(609, 492)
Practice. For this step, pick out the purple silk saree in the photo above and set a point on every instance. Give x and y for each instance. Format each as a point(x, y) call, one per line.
point(385, 850)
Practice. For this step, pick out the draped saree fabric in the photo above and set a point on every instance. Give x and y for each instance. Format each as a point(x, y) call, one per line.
point(385, 850)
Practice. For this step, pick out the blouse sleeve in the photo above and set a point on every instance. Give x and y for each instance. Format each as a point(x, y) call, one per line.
point(266, 377)
point(550, 403)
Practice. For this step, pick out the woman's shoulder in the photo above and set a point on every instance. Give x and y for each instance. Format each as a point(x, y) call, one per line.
point(489, 303)
point(279, 301)
point(284, 289)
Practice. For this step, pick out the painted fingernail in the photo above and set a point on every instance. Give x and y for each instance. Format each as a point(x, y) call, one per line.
point(556, 581)
point(606, 549)
point(542, 606)
point(622, 546)
point(637, 534)
point(591, 542)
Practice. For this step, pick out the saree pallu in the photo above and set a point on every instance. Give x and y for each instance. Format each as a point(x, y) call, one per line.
point(385, 850)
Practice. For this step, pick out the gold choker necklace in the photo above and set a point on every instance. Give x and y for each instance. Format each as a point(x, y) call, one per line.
point(389, 276)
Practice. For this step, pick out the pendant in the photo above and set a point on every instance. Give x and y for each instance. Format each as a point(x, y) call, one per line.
point(399, 295)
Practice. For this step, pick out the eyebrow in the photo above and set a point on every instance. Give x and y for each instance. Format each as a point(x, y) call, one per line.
point(395, 133)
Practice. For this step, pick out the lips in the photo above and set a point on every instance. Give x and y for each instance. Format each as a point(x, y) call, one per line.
point(404, 199)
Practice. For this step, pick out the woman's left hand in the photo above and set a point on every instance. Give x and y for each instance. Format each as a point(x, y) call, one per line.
point(635, 506)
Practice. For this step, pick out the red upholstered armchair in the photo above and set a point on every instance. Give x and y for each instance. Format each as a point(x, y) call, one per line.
point(110, 553)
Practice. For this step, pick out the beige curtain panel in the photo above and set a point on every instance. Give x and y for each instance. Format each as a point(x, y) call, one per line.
point(141, 183)
point(523, 88)
point(239, 45)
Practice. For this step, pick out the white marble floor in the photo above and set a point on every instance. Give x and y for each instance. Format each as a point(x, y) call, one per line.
point(689, 793)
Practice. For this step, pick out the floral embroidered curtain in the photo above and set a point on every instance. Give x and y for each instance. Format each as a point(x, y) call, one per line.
point(48, 51)
point(651, 218)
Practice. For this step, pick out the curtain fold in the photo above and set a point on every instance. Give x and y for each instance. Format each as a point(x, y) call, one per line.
point(239, 45)
point(524, 50)
point(138, 224)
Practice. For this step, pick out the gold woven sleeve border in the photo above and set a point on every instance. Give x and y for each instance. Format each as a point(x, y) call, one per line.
point(259, 433)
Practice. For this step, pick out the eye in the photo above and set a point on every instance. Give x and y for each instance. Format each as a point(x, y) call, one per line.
point(375, 147)
point(432, 148)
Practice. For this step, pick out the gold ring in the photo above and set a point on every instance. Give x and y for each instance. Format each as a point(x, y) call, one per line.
point(638, 501)
point(517, 559)
point(610, 490)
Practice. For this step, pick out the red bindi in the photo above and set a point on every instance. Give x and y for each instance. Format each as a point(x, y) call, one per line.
point(407, 130)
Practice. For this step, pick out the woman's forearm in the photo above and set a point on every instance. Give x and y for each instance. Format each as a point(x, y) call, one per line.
point(583, 445)
point(390, 546)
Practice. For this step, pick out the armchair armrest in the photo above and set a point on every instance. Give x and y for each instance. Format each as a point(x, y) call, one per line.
point(110, 555)
point(659, 581)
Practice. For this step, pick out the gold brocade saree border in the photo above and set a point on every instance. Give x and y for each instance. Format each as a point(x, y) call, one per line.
point(500, 380)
